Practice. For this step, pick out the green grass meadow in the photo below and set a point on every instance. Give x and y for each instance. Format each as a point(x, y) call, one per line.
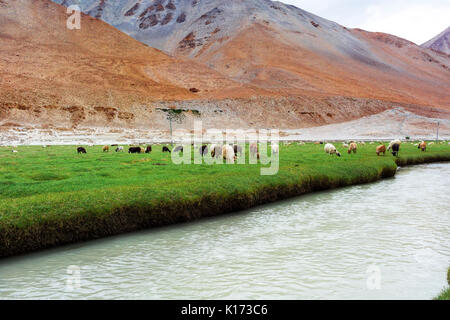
point(51, 196)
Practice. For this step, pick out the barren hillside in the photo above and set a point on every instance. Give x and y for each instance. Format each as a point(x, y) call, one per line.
point(280, 47)
point(253, 63)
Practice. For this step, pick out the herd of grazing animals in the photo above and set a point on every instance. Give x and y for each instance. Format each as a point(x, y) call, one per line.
point(381, 149)
point(230, 152)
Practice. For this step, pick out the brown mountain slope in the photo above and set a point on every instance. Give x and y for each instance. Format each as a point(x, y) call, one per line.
point(283, 48)
point(251, 71)
point(370, 65)
point(46, 67)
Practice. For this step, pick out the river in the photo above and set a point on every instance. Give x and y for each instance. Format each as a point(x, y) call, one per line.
point(385, 240)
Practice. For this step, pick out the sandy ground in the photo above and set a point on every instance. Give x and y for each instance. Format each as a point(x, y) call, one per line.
point(391, 124)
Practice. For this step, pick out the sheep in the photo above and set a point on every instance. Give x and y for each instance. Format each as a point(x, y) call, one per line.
point(253, 149)
point(148, 149)
point(228, 153)
point(392, 143)
point(395, 149)
point(119, 149)
point(329, 148)
point(203, 150)
point(275, 149)
point(178, 149)
point(216, 151)
point(165, 149)
point(362, 143)
point(15, 151)
point(422, 146)
point(134, 150)
point(344, 145)
point(353, 147)
point(105, 149)
point(237, 149)
point(395, 146)
point(81, 150)
point(381, 149)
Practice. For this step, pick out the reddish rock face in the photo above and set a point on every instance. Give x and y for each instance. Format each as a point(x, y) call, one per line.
point(181, 18)
point(171, 6)
point(133, 10)
point(286, 50)
point(256, 59)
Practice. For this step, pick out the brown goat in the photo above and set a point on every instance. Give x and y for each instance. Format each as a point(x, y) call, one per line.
point(353, 147)
point(423, 146)
point(381, 149)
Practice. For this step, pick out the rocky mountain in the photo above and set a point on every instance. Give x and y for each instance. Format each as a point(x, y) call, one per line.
point(97, 75)
point(253, 63)
point(276, 46)
point(440, 43)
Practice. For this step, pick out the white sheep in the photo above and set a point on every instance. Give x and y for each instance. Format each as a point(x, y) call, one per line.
point(395, 146)
point(228, 153)
point(329, 148)
point(394, 142)
point(216, 151)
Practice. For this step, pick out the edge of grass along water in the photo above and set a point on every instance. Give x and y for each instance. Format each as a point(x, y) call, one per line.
point(53, 196)
point(445, 294)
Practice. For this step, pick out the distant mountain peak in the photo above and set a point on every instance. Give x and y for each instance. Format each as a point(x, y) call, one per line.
point(440, 43)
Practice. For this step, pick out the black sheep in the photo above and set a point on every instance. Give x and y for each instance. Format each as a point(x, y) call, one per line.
point(237, 149)
point(134, 150)
point(203, 150)
point(395, 149)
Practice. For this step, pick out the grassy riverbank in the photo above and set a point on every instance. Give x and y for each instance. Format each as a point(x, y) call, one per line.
point(445, 294)
point(52, 196)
